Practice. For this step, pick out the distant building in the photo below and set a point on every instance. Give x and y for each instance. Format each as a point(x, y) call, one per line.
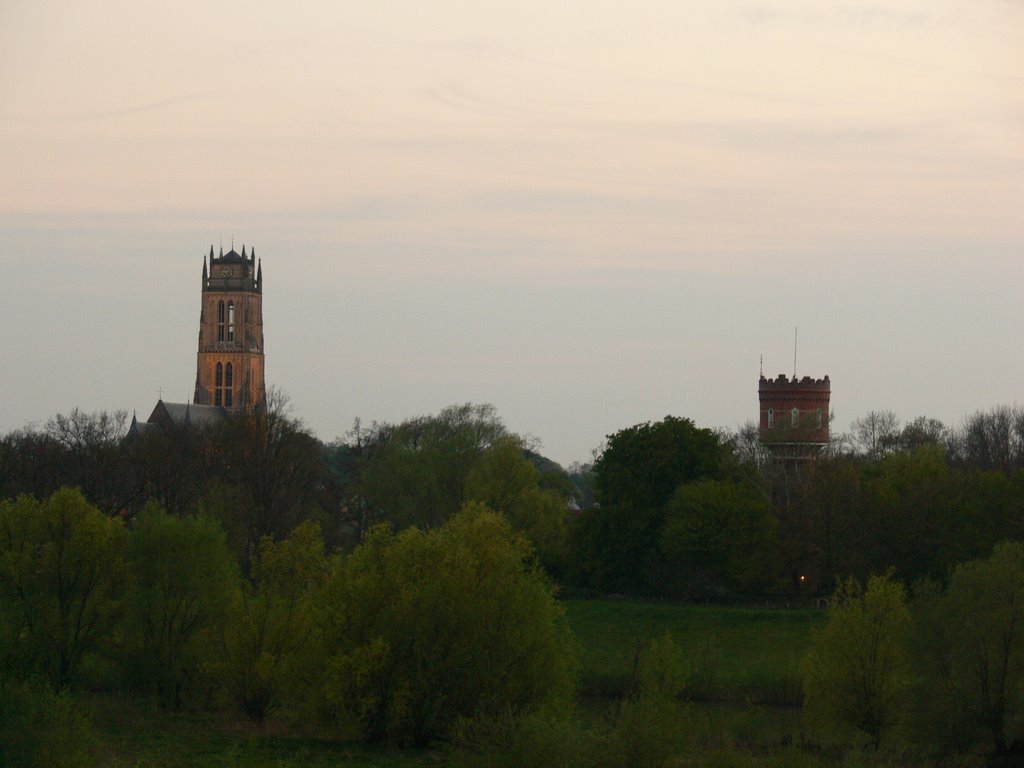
point(229, 369)
point(794, 416)
point(230, 361)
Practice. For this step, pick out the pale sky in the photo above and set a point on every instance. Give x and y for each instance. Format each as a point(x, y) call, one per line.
point(587, 213)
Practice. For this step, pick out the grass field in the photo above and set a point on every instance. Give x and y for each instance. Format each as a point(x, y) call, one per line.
point(740, 655)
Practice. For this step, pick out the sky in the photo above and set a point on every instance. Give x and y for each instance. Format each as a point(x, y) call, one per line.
point(590, 214)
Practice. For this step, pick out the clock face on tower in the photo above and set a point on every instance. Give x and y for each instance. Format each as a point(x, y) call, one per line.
point(226, 272)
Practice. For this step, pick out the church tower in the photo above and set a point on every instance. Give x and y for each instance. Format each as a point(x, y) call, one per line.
point(229, 371)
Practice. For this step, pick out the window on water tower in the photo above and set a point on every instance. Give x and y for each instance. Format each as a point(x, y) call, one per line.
point(819, 418)
point(771, 418)
point(794, 418)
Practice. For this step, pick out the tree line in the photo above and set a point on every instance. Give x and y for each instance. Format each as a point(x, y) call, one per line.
point(666, 509)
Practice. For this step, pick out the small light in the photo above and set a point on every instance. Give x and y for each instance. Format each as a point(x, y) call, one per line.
point(803, 578)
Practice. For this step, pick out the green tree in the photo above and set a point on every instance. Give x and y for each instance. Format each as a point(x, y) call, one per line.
point(718, 540)
point(61, 576)
point(424, 627)
point(415, 473)
point(276, 464)
point(856, 673)
point(268, 643)
point(507, 481)
point(181, 577)
point(969, 654)
point(642, 466)
point(647, 726)
point(43, 727)
point(614, 546)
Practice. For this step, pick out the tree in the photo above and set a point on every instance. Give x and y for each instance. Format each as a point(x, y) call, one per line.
point(181, 577)
point(94, 455)
point(276, 464)
point(272, 623)
point(969, 654)
point(424, 627)
point(747, 446)
point(614, 545)
point(642, 466)
point(994, 439)
point(61, 576)
point(646, 726)
point(505, 480)
point(923, 431)
point(718, 540)
point(876, 433)
point(415, 473)
point(856, 672)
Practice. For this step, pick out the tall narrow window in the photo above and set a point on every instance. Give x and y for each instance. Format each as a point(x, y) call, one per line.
point(218, 384)
point(794, 418)
point(771, 418)
point(220, 321)
point(231, 321)
point(228, 385)
point(819, 418)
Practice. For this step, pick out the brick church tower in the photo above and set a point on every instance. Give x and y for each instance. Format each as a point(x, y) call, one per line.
point(229, 371)
point(794, 416)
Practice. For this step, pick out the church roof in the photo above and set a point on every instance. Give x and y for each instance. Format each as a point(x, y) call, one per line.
point(186, 413)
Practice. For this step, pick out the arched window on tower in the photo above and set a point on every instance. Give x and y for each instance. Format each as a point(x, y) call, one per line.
point(771, 418)
point(231, 321)
point(794, 418)
point(220, 321)
point(218, 384)
point(228, 384)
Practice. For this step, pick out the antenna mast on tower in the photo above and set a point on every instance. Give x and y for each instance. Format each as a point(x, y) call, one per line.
point(794, 351)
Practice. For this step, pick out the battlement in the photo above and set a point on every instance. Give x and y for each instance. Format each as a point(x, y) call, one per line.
point(785, 384)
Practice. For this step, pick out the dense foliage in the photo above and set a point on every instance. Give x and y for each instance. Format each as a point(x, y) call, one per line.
point(433, 625)
point(401, 581)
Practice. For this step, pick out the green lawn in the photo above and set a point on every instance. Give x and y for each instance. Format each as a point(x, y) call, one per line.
point(734, 654)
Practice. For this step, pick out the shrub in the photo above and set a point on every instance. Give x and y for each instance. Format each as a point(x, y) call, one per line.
point(61, 576)
point(517, 740)
point(648, 727)
point(181, 578)
point(422, 628)
point(856, 671)
point(39, 727)
point(271, 623)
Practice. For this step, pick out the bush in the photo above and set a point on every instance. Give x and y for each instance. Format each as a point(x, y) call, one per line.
point(422, 628)
point(271, 623)
point(61, 576)
point(181, 578)
point(39, 727)
point(648, 727)
point(969, 655)
point(856, 671)
point(515, 740)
